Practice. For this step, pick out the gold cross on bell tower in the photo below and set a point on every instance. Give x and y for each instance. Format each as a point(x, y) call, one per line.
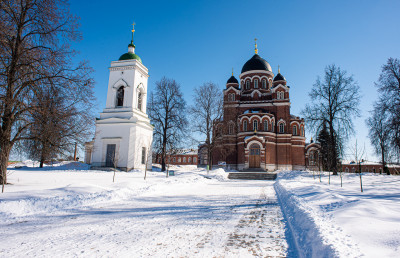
point(255, 46)
point(133, 29)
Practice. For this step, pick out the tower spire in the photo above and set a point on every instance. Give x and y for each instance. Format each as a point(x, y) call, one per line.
point(232, 71)
point(255, 46)
point(131, 46)
point(279, 69)
point(133, 30)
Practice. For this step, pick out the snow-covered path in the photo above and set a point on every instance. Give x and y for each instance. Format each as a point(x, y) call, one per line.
point(187, 217)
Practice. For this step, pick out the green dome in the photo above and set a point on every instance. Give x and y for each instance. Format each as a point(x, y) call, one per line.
point(129, 56)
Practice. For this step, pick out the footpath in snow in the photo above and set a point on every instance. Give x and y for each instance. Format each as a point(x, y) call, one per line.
point(62, 212)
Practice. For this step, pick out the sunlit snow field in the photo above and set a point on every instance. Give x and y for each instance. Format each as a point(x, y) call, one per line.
point(66, 210)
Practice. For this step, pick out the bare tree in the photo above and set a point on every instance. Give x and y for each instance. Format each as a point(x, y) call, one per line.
point(206, 113)
point(114, 159)
point(389, 103)
point(57, 125)
point(358, 155)
point(167, 112)
point(334, 101)
point(380, 134)
point(35, 54)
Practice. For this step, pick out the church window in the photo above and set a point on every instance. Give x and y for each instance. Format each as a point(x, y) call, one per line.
point(194, 160)
point(140, 99)
point(230, 129)
point(347, 170)
point(189, 159)
point(184, 159)
point(265, 125)
point(179, 160)
point(143, 155)
point(120, 97)
point(255, 84)
point(233, 97)
point(174, 159)
point(264, 84)
point(245, 126)
point(247, 85)
point(281, 128)
point(295, 130)
point(255, 125)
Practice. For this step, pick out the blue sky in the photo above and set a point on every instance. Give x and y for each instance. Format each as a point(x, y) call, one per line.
point(199, 41)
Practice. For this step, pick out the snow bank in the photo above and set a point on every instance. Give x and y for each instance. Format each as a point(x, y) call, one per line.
point(330, 220)
point(57, 165)
point(303, 233)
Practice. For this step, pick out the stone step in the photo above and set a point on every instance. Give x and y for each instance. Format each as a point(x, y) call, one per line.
point(252, 176)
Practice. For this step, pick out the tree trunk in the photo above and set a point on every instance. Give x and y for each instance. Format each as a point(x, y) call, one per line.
point(333, 161)
point(4, 156)
point(42, 157)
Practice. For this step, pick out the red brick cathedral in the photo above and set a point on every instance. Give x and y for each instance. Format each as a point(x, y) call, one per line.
point(257, 130)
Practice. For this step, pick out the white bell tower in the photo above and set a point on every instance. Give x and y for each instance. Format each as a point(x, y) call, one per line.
point(123, 132)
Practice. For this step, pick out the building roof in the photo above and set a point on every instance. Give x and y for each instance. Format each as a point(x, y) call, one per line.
point(129, 56)
point(256, 63)
point(279, 77)
point(232, 80)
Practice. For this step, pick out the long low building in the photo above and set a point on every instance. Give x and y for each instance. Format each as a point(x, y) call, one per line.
point(367, 166)
point(179, 157)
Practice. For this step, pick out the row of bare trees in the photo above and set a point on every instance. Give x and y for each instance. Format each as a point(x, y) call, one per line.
point(41, 90)
point(334, 105)
point(169, 115)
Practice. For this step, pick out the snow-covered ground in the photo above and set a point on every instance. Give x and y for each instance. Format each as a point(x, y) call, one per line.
point(342, 220)
point(66, 210)
point(64, 213)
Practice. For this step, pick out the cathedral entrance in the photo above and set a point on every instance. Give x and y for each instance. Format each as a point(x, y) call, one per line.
point(254, 158)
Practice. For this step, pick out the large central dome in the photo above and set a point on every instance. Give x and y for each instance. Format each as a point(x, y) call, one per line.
point(256, 63)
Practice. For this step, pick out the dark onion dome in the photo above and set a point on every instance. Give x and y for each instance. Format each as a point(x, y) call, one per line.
point(232, 80)
point(279, 77)
point(129, 56)
point(256, 63)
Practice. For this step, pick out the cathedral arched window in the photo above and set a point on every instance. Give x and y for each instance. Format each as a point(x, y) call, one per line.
point(255, 84)
point(266, 125)
point(281, 128)
point(247, 85)
point(230, 129)
point(255, 125)
point(295, 130)
point(264, 84)
point(120, 96)
point(140, 100)
point(245, 126)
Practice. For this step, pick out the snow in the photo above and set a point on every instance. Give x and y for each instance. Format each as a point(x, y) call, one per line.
point(66, 210)
point(70, 213)
point(343, 221)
